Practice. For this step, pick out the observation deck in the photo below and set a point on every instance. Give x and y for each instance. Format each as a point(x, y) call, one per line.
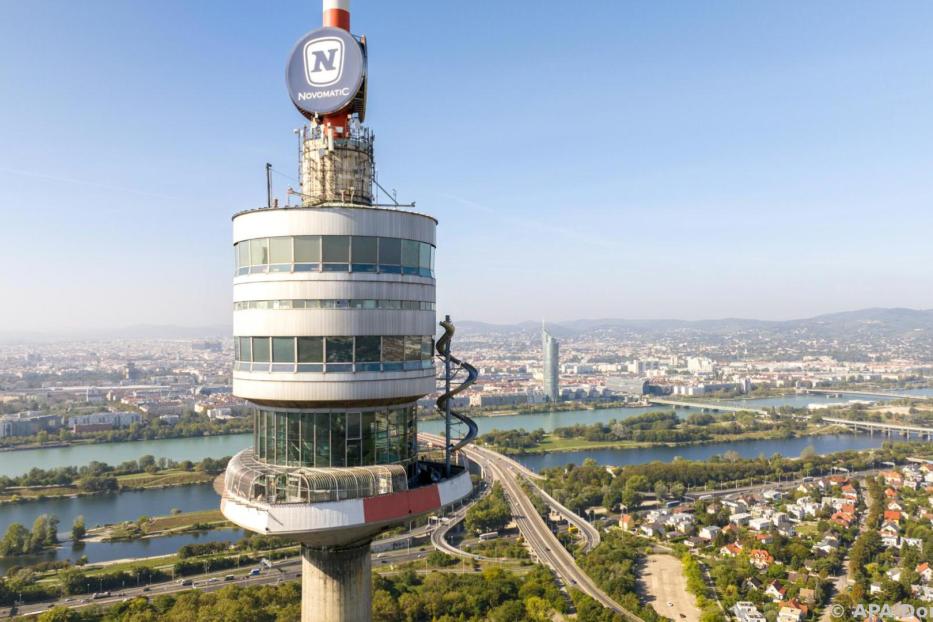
point(335, 506)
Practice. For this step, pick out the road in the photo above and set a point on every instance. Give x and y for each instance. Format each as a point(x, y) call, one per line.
point(284, 570)
point(590, 534)
point(543, 543)
point(776, 485)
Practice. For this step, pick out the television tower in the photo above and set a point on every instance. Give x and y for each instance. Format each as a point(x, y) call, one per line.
point(334, 318)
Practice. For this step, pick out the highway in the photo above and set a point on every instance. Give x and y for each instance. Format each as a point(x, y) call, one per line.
point(543, 543)
point(590, 534)
point(283, 570)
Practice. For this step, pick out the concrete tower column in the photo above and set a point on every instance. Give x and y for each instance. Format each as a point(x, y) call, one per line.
point(336, 584)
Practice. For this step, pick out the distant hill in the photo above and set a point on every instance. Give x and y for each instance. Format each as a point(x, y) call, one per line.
point(878, 322)
point(140, 331)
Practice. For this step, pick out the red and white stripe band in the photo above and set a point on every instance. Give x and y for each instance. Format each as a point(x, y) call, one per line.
point(337, 14)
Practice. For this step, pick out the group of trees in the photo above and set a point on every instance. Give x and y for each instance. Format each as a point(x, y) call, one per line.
point(696, 585)
point(101, 477)
point(613, 565)
point(189, 425)
point(491, 513)
point(20, 541)
point(652, 427)
point(590, 484)
point(513, 439)
point(495, 595)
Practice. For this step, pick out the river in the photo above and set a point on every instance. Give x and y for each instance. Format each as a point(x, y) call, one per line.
point(18, 462)
point(131, 505)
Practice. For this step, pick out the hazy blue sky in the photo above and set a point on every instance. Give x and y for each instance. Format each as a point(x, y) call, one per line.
point(623, 159)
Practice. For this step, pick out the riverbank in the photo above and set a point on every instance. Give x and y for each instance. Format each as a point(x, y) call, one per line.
point(85, 441)
point(552, 443)
point(166, 478)
point(161, 526)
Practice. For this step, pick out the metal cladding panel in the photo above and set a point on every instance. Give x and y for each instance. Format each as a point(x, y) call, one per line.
point(336, 387)
point(334, 221)
point(331, 323)
point(290, 518)
point(455, 488)
point(401, 504)
point(343, 289)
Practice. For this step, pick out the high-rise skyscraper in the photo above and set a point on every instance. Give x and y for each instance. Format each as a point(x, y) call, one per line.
point(334, 317)
point(551, 348)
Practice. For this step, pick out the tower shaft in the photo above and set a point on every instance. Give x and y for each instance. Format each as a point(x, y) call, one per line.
point(336, 584)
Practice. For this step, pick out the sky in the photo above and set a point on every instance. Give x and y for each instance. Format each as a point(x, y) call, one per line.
point(624, 159)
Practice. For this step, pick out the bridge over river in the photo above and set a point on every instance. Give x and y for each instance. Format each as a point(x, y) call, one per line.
point(886, 428)
point(714, 407)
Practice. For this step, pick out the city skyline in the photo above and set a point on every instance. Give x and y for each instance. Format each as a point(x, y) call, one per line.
point(773, 151)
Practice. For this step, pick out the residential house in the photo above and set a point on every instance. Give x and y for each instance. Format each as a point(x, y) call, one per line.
point(747, 612)
point(776, 591)
point(760, 558)
point(807, 595)
point(760, 524)
point(789, 614)
point(731, 550)
point(925, 571)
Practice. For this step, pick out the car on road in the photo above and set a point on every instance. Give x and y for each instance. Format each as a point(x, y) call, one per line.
point(229, 577)
point(670, 604)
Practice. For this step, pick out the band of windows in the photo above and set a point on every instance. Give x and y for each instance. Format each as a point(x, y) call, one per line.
point(406, 305)
point(337, 439)
point(334, 253)
point(363, 353)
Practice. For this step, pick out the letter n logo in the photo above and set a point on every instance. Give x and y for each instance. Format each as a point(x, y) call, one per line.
point(324, 61)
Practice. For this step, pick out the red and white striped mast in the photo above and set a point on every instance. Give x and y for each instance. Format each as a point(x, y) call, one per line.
point(337, 15)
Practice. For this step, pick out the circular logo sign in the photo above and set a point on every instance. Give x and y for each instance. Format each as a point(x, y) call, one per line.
point(325, 71)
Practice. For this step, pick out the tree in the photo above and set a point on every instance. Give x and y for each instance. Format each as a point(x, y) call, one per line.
point(44, 533)
point(538, 609)
point(385, 608)
point(78, 530)
point(490, 513)
point(15, 541)
point(678, 490)
point(660, 489)
point(60, 614)
point(52, 530)
point(73, 581)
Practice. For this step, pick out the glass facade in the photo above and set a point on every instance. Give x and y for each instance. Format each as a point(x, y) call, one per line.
point(336, 303)
point(336, 439)
point(334, 253)
point(334, 354)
